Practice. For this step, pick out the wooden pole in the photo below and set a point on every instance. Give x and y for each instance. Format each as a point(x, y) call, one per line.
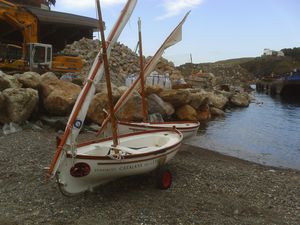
point(192, 72)
point(144, 104)
point(107, 77)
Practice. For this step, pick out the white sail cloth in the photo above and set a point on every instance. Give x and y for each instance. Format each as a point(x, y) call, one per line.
point(112, 38)
point(173, 38)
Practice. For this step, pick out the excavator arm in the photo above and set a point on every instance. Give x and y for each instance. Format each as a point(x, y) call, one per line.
point(22, 19)
point(34, 55)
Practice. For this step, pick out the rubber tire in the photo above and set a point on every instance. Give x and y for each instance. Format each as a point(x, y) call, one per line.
point(164, 179)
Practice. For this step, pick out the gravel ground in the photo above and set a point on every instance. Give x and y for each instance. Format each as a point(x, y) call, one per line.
point(208, 188)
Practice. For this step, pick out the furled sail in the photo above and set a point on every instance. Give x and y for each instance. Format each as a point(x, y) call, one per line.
point(84, 99)
point(174, 37)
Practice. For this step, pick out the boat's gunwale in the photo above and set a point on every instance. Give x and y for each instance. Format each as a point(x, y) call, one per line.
point(156, 154)
point(134, 124)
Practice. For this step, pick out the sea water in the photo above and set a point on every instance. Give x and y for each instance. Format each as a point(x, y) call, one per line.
point(267, 132)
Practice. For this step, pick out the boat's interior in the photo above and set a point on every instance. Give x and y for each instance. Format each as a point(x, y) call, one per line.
point(136, 144)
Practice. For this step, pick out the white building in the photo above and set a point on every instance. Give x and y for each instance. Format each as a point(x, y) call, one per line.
point(269, 52)
point(280, 53)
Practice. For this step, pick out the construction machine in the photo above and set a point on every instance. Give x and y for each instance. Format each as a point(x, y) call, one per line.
point(31, 55)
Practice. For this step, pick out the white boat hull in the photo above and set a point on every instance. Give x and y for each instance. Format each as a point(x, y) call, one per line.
point(187, 128)
point(161, 148)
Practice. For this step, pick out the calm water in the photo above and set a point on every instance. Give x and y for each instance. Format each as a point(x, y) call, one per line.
point(267, 132)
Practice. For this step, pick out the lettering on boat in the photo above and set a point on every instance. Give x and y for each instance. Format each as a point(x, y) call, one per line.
point(105, 169)
point(127, 166)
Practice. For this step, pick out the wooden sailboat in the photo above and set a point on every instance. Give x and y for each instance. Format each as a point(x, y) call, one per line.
point(81, 167)
point(187, 128)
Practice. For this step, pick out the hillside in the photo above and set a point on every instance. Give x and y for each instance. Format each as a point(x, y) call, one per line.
point(235, 61)
point(225, 73)
point(267, 65)
point(234, 71)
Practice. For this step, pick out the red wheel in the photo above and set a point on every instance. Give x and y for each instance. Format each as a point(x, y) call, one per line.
point(164, 179)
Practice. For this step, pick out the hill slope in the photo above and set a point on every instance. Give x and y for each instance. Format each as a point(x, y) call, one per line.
point(235, 71)
point(266, 65)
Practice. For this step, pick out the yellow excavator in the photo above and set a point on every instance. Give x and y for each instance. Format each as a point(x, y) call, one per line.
point(32, 55)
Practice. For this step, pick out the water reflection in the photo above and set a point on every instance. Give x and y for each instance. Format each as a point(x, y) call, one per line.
point(266, 132)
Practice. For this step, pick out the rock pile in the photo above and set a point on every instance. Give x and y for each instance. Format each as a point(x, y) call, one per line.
point(123, 61)
point(187, 104)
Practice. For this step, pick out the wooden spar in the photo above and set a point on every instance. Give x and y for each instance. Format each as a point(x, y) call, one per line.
point(86, 88)
point(69, 126)
point(191, 57)
point(107, 77)
point(144, 104)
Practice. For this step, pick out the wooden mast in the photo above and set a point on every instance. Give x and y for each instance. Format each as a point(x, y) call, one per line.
point(192, 72)
point(144, 104)
point(172, 39)
point(107, 77)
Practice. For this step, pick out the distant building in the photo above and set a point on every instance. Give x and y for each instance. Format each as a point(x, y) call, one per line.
point(280, 53)
point(269, 52)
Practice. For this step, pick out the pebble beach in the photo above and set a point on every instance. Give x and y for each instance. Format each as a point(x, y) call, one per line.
point(208, 188)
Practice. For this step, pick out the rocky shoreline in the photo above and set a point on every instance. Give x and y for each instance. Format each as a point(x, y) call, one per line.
point(34, 97)
point(208, 188)
point(50, 97)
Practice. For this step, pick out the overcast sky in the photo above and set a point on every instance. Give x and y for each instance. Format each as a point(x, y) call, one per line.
point(215, 29)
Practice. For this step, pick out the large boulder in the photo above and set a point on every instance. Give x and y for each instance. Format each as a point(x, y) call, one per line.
point(186, 112)
point(203, 113)
point(95, 112)
point(8, 81)
point(3, 116)
point(59, 96)
point(157, 105)
point(48, 76)
point(102, 88)
point(132, 110)
point(20, 103)
point(122, 89)
point(2, 101)
point(216, 112)
point(217, 100)
point(29, 79)
point(153, 90)
point(240, 99)
point(196, 99)
point(176, 97)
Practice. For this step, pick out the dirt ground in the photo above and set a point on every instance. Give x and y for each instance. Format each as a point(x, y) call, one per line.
point(208, 188)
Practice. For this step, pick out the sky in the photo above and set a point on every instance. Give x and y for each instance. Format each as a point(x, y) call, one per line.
point(215, 29)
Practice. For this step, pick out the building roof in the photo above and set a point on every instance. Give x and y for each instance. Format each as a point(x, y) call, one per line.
point(64, 19)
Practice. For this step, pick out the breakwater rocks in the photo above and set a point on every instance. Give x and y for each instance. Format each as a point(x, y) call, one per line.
point(31, 96)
